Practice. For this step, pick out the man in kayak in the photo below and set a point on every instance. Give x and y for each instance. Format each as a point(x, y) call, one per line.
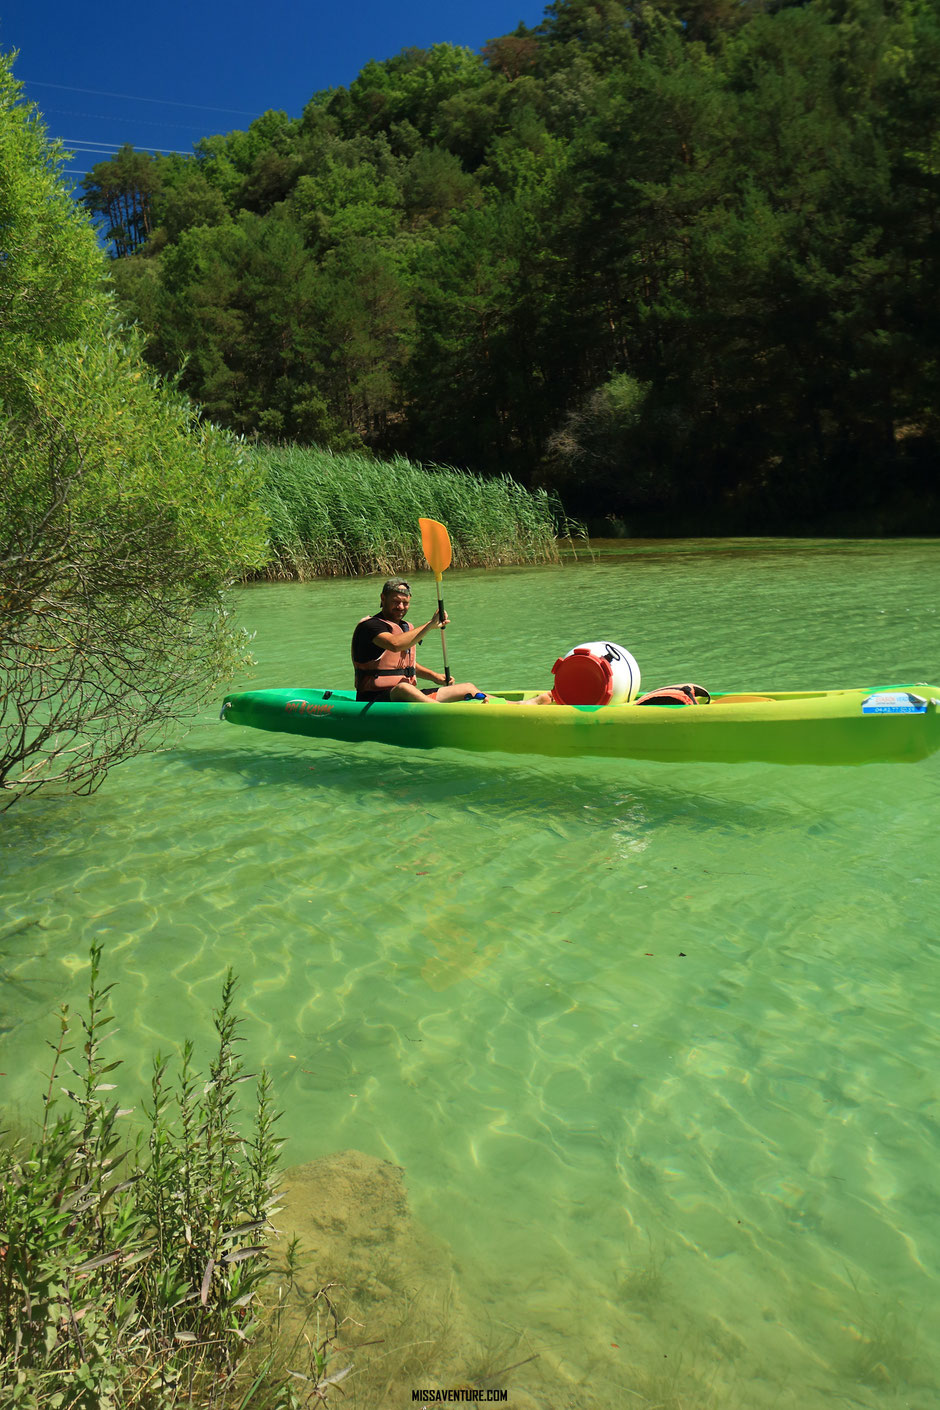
point(384, 659)
point(383, 653)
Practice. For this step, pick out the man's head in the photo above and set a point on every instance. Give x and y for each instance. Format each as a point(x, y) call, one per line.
point(396, 595)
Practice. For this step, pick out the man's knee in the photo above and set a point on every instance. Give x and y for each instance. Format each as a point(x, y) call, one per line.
point(457, 690)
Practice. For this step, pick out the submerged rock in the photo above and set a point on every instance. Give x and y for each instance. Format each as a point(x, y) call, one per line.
point(406, 1326)
point(351, 1213)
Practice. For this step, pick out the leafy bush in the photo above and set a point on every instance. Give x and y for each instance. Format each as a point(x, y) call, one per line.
point(51, 286)
point(131, 1276)
point(122, 514)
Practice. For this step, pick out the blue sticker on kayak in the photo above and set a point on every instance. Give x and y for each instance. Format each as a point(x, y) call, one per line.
point(894, 702)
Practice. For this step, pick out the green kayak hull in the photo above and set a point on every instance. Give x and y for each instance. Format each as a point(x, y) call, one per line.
point(877, 724)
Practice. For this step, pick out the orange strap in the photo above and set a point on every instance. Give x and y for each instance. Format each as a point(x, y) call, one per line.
point(675, 695)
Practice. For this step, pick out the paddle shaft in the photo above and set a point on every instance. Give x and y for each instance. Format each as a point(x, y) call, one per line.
point(440, 608)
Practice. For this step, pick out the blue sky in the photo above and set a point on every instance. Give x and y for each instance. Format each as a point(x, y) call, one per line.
point(161, 76)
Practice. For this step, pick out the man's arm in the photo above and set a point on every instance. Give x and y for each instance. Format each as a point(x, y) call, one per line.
point(404, 640)
point(427, 674)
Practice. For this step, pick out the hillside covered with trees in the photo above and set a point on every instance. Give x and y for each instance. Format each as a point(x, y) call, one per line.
point(678, 261)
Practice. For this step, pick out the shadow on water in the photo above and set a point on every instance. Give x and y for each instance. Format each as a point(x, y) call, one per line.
point(503, 786)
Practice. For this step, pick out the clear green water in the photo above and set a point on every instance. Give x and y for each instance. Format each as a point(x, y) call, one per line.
point(706, 1179)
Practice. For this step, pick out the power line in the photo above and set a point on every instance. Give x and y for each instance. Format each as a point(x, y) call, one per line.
point(106, 117)
point(112, 148)
point(135, 98)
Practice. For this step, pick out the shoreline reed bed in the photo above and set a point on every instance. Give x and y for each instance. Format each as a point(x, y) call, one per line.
point(344, 514)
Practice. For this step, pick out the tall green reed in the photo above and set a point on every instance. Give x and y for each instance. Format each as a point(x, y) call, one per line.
point(346, 513)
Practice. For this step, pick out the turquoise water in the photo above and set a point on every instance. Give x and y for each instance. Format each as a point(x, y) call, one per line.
point(655, 1045)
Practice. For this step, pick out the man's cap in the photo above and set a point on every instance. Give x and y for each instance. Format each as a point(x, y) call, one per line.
point(396, 585)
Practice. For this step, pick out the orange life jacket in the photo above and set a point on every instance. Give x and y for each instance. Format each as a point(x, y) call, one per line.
point(675, 695)
point(388, 669)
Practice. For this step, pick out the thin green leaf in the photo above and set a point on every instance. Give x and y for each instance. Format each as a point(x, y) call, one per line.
point(245, 1229)
point(242, 1253)
point(101, 1261)
point(206, 1282)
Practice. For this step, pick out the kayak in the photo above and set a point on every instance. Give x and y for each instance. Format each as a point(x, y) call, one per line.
point(877, 724)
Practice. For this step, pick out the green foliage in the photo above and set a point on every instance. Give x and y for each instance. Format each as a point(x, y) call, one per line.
point(598, 442)
point(192, 201)
point(123, 190)
point(50, 270)
point(348, 513)
point(413, 87)
point(139, 1274)
point(734, 206)
point(122, 513)
point(131, 1275)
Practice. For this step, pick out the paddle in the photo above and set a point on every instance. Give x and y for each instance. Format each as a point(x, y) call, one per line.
point(435, 541)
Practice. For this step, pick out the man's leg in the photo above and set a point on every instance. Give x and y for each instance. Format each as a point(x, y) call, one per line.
point(404, 690)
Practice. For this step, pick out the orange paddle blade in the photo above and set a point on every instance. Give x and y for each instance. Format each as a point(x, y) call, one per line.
point(435, 541)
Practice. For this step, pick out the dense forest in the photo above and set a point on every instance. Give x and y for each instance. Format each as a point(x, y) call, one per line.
point(678, 261)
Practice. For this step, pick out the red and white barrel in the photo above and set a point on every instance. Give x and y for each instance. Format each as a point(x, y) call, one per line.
point(596, 673)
